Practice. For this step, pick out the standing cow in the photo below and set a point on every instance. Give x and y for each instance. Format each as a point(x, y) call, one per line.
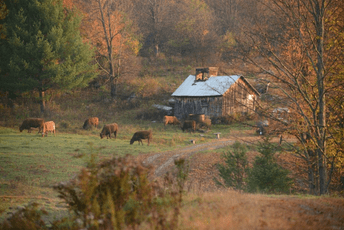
point(189, 124)
point(49, 127)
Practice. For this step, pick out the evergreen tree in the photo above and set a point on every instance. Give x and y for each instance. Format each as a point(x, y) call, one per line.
point(266, 175)
point(3, 14)
point(234, 169)
point(43, 49)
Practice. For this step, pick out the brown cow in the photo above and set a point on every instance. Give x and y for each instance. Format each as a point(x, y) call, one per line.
point(140, 135)
point(205, 123)
point(171, 120)
point(49, 127)
point(92, 121)
point(189, 124)
point(108, 129)
point(29, 123)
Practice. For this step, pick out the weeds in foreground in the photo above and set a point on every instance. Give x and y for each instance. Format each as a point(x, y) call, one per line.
point(28, 217)
point(114, 194)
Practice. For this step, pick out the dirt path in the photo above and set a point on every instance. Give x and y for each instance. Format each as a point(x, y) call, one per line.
point(202, 167)
point(164, 161)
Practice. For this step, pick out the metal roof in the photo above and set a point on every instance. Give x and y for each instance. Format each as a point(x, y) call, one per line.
point(214, 86)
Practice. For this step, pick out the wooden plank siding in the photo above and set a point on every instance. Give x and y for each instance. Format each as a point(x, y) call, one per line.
point(184, 106)
point(239, 98)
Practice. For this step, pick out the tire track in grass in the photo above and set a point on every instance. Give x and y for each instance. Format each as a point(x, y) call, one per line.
point(164, 161)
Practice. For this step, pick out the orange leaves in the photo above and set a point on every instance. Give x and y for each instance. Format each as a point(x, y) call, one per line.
point(102, 25)
point(68, 4)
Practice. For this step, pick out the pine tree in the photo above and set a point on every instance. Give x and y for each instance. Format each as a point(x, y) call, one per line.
point(234, 169)
point(43, 49)
point(266, 175)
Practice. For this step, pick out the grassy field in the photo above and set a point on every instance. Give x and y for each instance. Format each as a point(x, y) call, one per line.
point(30, 165)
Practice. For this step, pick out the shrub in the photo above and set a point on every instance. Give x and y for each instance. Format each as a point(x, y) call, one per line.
point(234, 169)
point(28, 218)
point(115, 194)
point(266, 175)
point(65, 124)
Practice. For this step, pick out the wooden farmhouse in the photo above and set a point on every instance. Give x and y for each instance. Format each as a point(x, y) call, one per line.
point(212, 95)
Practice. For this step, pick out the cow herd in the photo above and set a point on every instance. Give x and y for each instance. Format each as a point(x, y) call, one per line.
point(108, 129)
point(193, 122)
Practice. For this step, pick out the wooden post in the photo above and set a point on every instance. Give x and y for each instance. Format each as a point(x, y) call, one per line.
point(217, 135)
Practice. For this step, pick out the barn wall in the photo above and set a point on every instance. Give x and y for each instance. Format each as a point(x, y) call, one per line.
point(238, 99)
point(211, 106)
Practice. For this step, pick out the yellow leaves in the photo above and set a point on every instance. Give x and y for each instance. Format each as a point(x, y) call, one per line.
point(146, 86)
point(228, 41)
point(134, 45)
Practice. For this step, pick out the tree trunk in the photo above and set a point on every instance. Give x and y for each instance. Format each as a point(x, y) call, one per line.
point(113, 87)
point(42, 100)
point(321, 136)
point(312, 169)
point(156, 50)
point(112, 74)
point(311, 183)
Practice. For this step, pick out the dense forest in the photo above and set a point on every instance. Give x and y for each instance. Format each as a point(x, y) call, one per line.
point(296, 46)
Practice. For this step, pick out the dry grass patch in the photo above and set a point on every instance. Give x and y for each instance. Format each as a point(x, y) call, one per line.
point(234, 210)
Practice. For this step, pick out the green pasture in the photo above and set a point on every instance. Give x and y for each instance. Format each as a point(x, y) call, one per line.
point(31, 165)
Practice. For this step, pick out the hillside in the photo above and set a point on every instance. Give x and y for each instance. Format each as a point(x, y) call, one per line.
point(205, 206)
point(209, 207)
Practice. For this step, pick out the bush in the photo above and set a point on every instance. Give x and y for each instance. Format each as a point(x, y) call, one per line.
point(266, 175)
point(28, 218)
point(234, 171)
point(115, 194)
point(65, 125)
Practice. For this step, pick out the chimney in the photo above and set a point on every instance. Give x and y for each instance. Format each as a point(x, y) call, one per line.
point(213, 71)
point(202, 74)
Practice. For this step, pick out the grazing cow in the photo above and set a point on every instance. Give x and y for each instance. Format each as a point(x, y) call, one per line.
point(171, 120)
point(140, 135)
point(108, 129)
point(189, 124)
point(29, 123)
point(205, 123)
point(201, 120)
point(92, 121)
point(49, 127)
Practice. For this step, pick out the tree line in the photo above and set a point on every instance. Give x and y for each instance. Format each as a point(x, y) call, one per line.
point(297, 45)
